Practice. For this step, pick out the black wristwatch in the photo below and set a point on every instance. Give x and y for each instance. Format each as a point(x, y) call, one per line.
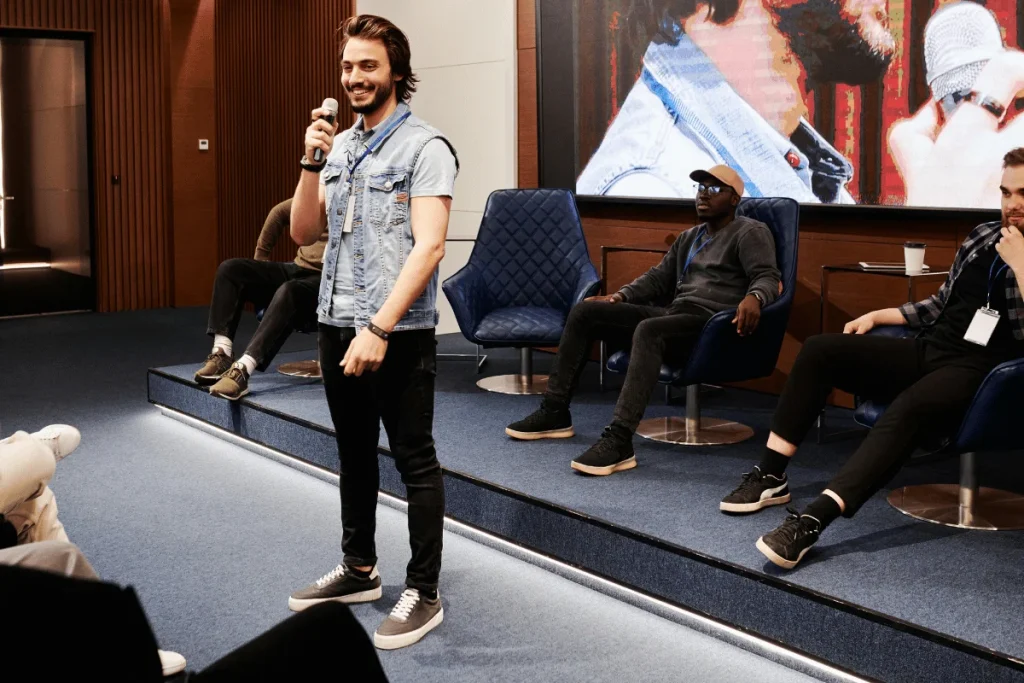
point(308, 165)
point(378, 331)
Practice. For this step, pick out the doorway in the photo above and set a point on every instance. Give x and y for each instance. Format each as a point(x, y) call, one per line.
point(46, 263)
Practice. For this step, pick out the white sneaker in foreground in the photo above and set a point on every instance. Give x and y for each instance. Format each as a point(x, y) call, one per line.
point(412, 618)
point(172, 662)
point(61, 439)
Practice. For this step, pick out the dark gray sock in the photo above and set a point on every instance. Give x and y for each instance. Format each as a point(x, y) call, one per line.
point(773, 463)
point(824, 509)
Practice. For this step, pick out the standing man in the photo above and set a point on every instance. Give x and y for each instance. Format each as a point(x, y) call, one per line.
point(385, 193)
point(974, 323)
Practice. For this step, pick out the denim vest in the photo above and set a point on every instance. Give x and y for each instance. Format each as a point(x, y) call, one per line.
point(683, 115)
point(381, 236)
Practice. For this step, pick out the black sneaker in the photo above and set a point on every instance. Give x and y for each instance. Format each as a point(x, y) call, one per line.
point(542, 424)
point(606, 456)
point(788, 544)
point(338, 585)
point(757, 491)
point(412, 618)
point(216, 364)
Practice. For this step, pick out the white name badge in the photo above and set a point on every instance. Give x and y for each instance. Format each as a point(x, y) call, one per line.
point(982, 327)
point(348, 214)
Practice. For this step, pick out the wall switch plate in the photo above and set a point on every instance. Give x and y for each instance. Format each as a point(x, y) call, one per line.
point(204, 145)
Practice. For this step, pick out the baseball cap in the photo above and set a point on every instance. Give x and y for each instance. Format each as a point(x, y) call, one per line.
point(722, 174)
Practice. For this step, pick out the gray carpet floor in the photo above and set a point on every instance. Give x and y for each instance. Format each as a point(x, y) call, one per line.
point(214, 537)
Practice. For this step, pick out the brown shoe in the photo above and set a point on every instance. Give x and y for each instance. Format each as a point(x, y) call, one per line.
point(233, 385)
point(217, 363)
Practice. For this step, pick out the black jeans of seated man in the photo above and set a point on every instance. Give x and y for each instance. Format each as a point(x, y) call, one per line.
point(928, 391)
point(401, 395)
point(287, 291)
point(653, 335)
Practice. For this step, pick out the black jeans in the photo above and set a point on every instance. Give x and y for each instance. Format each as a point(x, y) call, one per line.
point(401, 395)
point(653, 335)
point(288, 293)
point(928, 392)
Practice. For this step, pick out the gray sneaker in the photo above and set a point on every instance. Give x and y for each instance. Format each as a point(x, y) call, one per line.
point(412, 618)
point(337, 585)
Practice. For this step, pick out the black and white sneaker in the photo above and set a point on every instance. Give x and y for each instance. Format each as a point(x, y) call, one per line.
point(338, 585)
point(788, 544)
point(412, 618)
point(607, 456)
point(542, 424)
point(755, 492)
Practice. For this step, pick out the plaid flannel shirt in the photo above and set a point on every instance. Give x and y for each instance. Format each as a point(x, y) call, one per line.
point(927, 312)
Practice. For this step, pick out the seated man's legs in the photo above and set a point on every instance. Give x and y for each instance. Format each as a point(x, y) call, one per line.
point(870, 366)
point(588, 322)
point(57, 557)
point(655, 338)
point(238, 281)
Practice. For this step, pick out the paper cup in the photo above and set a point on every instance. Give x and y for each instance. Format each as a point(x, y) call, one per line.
point(913, 257)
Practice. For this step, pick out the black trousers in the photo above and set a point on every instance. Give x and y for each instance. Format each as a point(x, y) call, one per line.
point(653, 334)
point(928, 392)
point(288, 293)
point(401, 395)
point(324, 638)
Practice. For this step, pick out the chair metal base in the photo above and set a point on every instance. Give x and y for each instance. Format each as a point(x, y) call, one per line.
point(706, 431)
point(515, 384)
point(307, 369)
point(992, 509)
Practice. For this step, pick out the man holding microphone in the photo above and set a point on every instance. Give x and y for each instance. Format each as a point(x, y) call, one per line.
point(383, 188)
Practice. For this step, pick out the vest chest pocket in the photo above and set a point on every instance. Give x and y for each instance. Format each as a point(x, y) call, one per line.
point(388, 195)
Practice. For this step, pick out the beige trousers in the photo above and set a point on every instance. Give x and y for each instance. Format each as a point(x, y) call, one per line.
point(26, 466)
point(58, 557)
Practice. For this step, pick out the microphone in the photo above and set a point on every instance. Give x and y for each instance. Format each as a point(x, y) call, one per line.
point(959, 40)
point(331, 105)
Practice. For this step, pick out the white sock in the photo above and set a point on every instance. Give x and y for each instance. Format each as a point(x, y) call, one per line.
point(247, 362)
point(223, 343)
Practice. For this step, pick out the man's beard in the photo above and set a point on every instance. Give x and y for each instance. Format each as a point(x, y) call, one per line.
point(381, 94)
point(832, 47)
point(1019, 218)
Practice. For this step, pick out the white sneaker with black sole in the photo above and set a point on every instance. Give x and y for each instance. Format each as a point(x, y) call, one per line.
point(755, 492)
point(337, 585)
point(412, 618)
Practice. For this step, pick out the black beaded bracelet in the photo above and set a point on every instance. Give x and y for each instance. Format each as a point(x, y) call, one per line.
point(312, 168)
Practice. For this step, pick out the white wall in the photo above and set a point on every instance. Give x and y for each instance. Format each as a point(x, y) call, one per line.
point(464, 52)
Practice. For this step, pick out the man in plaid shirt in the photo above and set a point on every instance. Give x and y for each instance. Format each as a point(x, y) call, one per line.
point(974, 323)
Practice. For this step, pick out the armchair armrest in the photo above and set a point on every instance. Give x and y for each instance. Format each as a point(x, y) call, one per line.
point(991, 422)
point(588, 284)
point(469, 299)
point(722, 355)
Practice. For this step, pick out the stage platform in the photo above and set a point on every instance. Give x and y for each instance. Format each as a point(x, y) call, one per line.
point(883, 596)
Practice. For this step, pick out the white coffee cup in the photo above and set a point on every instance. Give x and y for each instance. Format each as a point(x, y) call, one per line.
point(913, 257)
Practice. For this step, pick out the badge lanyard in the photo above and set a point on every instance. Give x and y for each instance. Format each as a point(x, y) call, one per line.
point(693, 253)
point(993, 278)
point(376, 143)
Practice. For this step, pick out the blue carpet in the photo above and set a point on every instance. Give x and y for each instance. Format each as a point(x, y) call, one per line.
point(921, 573)
point(214, 537)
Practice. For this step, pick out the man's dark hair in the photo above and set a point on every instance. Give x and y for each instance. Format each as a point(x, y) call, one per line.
point(370, 27)
point(1014, 158)
point(660, 21)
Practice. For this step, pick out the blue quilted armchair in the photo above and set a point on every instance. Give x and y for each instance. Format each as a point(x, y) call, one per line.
point(528, 268)
point(721, 355)
point(990, 424)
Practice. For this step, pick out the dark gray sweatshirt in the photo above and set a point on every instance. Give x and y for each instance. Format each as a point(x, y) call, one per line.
point(738, 260)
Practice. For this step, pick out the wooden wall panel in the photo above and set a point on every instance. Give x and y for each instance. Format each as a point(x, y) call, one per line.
point(526, 92)
point(131, 126)
point(275, 62)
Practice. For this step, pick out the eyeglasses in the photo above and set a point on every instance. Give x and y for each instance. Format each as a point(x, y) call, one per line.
point(711, 189)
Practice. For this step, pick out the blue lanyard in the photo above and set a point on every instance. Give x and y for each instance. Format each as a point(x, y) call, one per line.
point(992, 278)
point(693, 252)
point(377, 143)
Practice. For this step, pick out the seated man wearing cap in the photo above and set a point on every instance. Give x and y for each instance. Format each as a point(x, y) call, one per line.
point(724, 262)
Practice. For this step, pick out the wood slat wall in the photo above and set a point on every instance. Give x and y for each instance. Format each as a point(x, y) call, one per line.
point(275, 61)
point(131, 139)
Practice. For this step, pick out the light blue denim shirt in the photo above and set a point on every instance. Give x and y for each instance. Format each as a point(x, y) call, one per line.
point(361, 266)
point(682, 115)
